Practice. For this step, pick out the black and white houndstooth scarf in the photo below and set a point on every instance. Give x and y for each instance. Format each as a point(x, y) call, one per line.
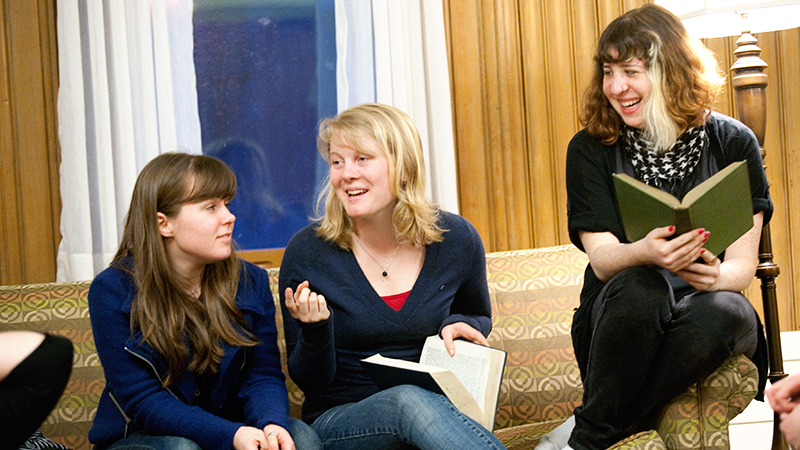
point(663, 169)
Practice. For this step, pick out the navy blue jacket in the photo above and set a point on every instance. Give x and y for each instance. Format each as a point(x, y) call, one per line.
point(250, 387)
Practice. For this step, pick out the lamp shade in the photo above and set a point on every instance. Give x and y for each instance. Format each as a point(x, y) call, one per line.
point(718, 18)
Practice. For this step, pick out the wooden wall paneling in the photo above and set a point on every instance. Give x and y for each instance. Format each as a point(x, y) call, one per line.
point(9, 226)
point(511, 115)
point(464, 35)
point(32, 233)
point(783, 127)
point(548, 88)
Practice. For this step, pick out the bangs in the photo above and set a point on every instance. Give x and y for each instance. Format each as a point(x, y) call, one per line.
point(209, 178)
point(628, 43)
point(348, 135)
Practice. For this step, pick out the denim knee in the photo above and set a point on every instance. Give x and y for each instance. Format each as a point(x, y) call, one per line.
point(143, 441)
point(414, 402)
point(305, 438)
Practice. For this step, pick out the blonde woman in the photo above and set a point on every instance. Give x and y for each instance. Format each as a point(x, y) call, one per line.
point(378, 273)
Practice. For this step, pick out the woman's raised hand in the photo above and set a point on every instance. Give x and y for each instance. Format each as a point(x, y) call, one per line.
point(305, 305)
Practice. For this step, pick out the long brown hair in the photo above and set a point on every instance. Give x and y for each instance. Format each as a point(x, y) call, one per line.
point(690, 77)
point(414, 218)
point(172, 322)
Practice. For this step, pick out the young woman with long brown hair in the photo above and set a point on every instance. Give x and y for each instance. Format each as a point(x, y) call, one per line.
point(184, 329)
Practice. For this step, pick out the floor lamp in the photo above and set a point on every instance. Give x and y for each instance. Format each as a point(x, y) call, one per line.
point(719, 18)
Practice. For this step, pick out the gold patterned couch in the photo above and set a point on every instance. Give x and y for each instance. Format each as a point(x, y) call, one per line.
point(534, 293)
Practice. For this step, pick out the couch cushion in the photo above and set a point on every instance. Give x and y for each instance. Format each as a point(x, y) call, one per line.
point(534, 293)
point(61, 309)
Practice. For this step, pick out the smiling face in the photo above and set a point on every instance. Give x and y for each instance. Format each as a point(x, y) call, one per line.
point(199, 234)
point(627, 87)
point(360, 179)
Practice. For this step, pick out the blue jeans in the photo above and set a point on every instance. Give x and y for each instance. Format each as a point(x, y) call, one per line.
point(304, 439)
point(403, 417)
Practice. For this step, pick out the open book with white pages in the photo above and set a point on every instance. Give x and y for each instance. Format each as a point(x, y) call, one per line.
point(470, 379)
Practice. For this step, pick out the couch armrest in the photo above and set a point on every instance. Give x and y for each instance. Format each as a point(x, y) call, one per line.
point(699, 417)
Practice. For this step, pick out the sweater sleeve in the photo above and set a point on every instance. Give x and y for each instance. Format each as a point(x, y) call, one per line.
point(264, 385)
point(311, 354)
point(471, 302)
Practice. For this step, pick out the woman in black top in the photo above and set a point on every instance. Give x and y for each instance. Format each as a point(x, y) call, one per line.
point(658, 314)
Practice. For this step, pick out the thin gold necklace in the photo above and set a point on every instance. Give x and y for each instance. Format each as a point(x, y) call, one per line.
point(385, 268)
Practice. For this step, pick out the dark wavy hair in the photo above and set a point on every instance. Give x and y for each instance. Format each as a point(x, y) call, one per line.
point(687, 74)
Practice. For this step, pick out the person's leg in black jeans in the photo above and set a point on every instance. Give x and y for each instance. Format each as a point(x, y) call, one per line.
point(646, 349)
point(628, 320)
point(32, 388)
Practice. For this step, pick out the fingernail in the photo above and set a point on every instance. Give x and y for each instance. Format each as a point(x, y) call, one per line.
point(702, 251)
point(672, 228)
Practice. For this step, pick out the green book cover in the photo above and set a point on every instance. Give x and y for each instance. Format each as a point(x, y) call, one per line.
point(721, 205)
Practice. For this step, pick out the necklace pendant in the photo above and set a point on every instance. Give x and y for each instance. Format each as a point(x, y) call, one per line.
point(385, 274)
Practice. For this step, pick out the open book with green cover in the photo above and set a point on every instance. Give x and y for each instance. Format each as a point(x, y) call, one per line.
point(470, 379)
point(721, 205)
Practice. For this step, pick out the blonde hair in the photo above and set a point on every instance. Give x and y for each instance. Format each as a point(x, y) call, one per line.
point(414, 218)
point(685, 76)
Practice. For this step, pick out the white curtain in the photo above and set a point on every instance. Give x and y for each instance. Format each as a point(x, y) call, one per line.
point(394, 52)
point(127, 93)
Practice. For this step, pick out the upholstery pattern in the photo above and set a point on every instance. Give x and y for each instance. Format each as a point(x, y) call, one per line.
point(61, 309)
point(699, 417)
point(533, 293)
point(646, 440)
point(296, 396)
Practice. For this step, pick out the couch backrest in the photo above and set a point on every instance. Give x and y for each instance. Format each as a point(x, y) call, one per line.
point(534, 293)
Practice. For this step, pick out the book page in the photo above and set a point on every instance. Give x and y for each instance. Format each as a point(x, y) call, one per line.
point(469, 366)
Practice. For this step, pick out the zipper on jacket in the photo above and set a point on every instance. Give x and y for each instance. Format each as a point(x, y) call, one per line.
point(147, 361)
point(121, 411)
point(160, 380)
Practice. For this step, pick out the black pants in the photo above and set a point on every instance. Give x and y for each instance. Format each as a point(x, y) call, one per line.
point(651, 338)
point(31, 390)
